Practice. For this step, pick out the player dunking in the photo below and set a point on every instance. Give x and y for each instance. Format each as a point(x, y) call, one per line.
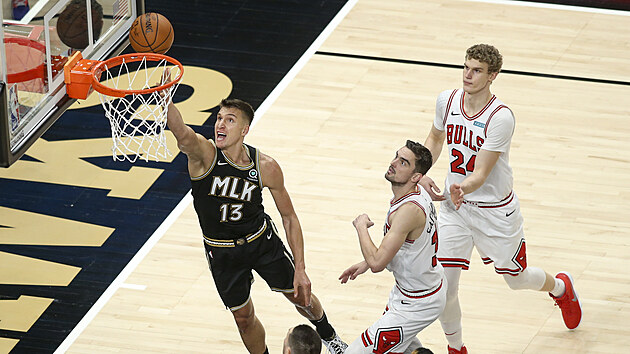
point(409, 251)
point(227, 181)
point(480, 208)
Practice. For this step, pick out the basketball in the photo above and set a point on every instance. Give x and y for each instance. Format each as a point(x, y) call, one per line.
point(151, 32)
point(72, 25)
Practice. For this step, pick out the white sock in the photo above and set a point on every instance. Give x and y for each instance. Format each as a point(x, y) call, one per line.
point(559, 288)
point(455, 340)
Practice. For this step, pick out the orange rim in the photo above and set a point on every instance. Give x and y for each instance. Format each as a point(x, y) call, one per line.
point(31, 74)
point(130, 58)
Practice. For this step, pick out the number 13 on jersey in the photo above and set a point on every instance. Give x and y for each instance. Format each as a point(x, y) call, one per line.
point(231, 212)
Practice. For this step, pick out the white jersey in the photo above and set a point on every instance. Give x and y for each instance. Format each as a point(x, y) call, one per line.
point(415, 265)
point(491, 129)
point(419, 295)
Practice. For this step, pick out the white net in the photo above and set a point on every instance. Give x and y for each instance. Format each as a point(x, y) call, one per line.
point(138, 121)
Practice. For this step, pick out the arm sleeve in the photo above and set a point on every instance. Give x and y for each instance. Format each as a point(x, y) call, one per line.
point(440, 109)
point(499, 131)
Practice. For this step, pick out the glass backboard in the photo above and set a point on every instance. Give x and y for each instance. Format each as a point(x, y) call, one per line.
point(35, 43)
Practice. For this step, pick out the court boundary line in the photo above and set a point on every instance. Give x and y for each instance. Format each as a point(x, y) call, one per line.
point(459, 66)
point(555, 6)
point(119, 281)
point(297, 67)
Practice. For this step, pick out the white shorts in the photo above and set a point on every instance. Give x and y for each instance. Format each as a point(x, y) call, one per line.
point(495, 229)
point(403, 319)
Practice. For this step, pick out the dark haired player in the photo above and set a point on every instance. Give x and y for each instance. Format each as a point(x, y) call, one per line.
point(408, 250)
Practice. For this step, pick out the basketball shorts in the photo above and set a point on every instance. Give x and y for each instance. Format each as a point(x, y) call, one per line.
point(403, 319)
point(495, 229)
point(231, 266)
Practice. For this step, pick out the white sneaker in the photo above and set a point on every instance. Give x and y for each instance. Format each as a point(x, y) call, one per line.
point(335, 345)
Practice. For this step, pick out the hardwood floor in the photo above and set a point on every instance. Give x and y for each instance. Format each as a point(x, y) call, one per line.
point(335, 129)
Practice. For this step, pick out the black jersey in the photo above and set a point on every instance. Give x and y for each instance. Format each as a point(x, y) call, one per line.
point(228, 197)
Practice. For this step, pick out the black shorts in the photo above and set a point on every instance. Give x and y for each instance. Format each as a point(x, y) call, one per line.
point(232, 267)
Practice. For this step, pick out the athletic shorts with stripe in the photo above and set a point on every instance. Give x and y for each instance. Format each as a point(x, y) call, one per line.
point(495, 229)
point(231, 267)
point(404, 317)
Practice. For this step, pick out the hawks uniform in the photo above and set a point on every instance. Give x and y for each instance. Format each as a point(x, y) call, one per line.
point(238, 236)
point(490, 217)
point(419, 295)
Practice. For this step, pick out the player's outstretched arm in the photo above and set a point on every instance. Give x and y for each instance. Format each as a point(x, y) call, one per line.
point(274, 180)
point(484, 163)
point(434, 142)
point(499, 136)
point(199, 150)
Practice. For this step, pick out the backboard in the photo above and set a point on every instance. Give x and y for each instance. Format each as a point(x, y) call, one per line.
point(33, 50)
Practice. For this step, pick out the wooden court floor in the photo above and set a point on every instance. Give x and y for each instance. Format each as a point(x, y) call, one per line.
point(334, 130)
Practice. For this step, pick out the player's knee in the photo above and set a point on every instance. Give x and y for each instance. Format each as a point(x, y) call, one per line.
point(244, 320)
point(452, 292)
point(530, 278)
point(244, 324)
point(451, 297)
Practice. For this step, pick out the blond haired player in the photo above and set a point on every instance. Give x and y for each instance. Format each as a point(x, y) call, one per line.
point(408, 250)
point(480, 208)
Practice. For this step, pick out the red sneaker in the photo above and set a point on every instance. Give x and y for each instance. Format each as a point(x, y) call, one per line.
point(463, 350)
point(569, 302)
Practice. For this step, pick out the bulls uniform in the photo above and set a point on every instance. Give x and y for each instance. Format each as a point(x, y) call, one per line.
point(419, 295)
point(490, 217)
point(238, 236)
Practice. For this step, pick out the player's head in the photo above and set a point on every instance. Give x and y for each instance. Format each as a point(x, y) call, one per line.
point(244, 107)
point(412, 161)
point(233, 122)
point(482, 65)
point(485, 53)
point(302, 339)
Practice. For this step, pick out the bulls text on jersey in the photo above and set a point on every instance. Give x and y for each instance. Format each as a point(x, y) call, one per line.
point(459, 134)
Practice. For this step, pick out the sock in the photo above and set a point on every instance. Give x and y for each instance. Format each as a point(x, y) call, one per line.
point(324, 329)
point(455, 340)
point(558, 289)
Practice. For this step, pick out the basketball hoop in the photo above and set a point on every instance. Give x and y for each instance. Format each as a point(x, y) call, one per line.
point(30, 62)
point(135, 106)
point(26, 63)
point(26, 75)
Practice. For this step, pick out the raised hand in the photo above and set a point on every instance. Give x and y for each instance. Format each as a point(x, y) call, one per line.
point(362, 221)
